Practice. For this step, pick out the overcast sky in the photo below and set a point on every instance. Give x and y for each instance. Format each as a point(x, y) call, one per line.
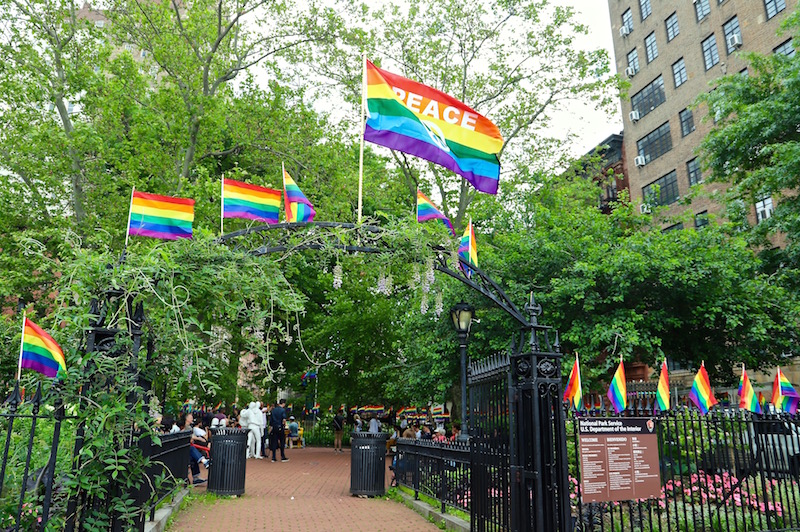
point(592, 127)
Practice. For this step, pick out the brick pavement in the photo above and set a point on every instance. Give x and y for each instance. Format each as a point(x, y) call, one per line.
point(311, 492)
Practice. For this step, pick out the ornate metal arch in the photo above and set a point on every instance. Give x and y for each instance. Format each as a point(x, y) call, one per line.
point(276, 238)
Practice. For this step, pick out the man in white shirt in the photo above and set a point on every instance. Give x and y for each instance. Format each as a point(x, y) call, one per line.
point(374, 425)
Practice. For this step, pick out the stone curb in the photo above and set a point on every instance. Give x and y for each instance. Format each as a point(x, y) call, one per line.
point(159, 523)
point(451, 522)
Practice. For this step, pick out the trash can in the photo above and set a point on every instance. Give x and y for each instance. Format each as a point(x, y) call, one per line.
point(228, 460)
point(368, 463)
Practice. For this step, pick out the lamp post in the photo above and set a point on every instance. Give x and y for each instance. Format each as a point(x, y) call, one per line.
point(462, 314)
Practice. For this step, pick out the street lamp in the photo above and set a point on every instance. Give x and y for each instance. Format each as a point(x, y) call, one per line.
point(462, 314)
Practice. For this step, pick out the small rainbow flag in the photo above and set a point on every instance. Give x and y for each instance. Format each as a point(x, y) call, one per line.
point(216, 408)
point(662, 392)
point(437, 410)
point(243, 200)
point(747, 396)
point(468, 249)
point(316, 407)
point(289, 406)
point(701, 394)
point(298, 208)
point(330, 409)
point(573, 393)
point(161, 217)
point(784, 396)
point(426, 210)
point(408, 116)
point(353, 409)
point(618, 390)
point(39, 352)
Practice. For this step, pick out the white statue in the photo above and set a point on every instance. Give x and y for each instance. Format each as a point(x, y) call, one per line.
point(244, 421)
point(257, 421)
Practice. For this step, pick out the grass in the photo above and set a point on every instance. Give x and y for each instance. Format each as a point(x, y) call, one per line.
point(193, 499)
point(394, 494)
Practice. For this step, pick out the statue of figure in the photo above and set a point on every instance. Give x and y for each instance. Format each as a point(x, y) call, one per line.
point(257, 421)
point(246, 421)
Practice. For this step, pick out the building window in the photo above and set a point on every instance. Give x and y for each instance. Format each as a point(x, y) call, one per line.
point(744, 72)
point(649, 97)
point(656, 143)
point(701, 219)
point(633, 60)
point(695, 174)
point(674, 227)
point(143, 53)
point(650, 47)
point(646, 8)
point(687, 122)
point(627, 20)
point(662, 191)
point(774, 7)
point(763, 209)
point(128, 46)
point(785, 48)
point(702, 9)
point(679, 72)
point(672, 26)
point(730, 29)
point(99, 23)
point(710, 53)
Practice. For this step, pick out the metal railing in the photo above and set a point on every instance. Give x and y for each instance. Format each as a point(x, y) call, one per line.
point(438, 470)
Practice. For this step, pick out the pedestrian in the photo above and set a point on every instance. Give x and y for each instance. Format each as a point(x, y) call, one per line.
point(277, 422)
point(374, 425)
point(338, 431)
point(357, 422)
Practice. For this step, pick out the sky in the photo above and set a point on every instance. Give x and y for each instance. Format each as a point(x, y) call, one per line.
point(590, 126)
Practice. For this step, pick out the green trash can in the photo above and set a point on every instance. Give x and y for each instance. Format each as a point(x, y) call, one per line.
point(368, 463)
point(228, 461)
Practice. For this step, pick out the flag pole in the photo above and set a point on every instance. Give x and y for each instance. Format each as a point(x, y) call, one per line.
point(128, 232)
point(362, 130)
point(286, 206)
point(222, 206)
point(21, 344)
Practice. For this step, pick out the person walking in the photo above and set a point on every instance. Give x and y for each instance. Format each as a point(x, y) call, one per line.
point(277, 421)
point(338, 431)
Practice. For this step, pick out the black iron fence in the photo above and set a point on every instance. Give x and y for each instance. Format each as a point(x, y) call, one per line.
point(727, 471)
point(437, 470)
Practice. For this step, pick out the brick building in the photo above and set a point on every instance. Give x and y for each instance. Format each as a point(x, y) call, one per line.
point(671, 51)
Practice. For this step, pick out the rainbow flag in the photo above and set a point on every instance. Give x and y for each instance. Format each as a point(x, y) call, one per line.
point(662, 392)
point(468, 249)
point(160, 216)
point(330, 409)
point(353, 410)
point(426, 210)
point(298, 208)
point(413, 118)
point(437, 410)
point(784, 396)
point(316, 407)
point(618, 390)
point(573, 393)
point(289, 406)
point(39, 352)
point(243, 200)
point(342, 408)
point(747, 396)
point(701, 394)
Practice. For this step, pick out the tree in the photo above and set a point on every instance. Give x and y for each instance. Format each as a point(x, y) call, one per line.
point(515, 62)
point(755, 143)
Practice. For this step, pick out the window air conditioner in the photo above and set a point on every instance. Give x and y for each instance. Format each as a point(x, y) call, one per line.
point(644, 208)
point(734, 41)
point(624, 31)
point(630, 71)
point(639, 160)
point(634, 115)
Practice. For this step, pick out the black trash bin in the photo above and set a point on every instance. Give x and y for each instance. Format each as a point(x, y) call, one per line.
point(368, 463)
point(228, 460)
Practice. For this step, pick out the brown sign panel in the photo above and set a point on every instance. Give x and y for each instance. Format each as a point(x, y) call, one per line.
point(619, 459)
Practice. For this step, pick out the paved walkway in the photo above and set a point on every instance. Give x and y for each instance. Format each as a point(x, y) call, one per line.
point(311, 492)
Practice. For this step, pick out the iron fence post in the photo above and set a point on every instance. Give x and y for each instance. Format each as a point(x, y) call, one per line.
point(51, 465)
point(37, 399)
point(13, 402)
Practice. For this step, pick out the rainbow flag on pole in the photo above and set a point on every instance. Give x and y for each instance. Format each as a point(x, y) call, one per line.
point(701, 394)
point(413, 118)
point(298, 208)
point(426, 210)
point(162, 217)
point(468, 249)
point(618, 390)
point(39, 352)
point(784, 395)
point(573, 393)
point(747, 396)
point(662, 392)
point(243, 200)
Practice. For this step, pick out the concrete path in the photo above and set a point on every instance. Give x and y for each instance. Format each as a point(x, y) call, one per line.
point(311, 492)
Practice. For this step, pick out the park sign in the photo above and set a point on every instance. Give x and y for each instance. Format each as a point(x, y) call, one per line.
point(619, 459)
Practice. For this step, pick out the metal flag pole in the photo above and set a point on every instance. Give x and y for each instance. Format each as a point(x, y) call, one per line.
point(21, 344)
point(222, 207)
point(128, 232)
point(362, 130)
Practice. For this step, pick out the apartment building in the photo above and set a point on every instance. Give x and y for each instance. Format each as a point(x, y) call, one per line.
point(671, 51)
